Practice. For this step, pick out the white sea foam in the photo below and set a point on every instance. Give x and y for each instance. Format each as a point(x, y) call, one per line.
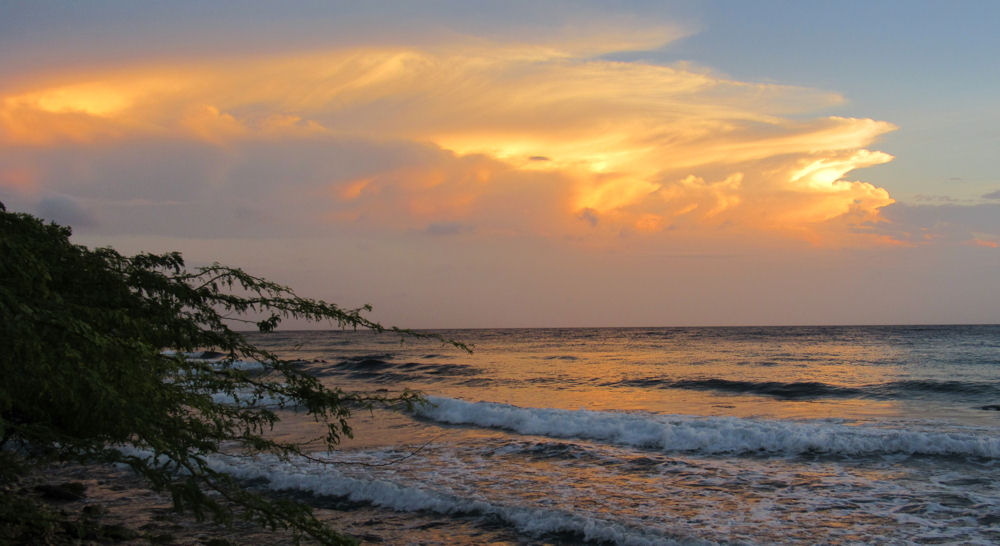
point(198, 356)
point(327, 481)
point(247, 365)
point(244, 397)
point(710, 435)
point(247, 398)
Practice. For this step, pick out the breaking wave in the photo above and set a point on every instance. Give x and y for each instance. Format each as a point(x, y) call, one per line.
point(322, 480)
point(711, 435)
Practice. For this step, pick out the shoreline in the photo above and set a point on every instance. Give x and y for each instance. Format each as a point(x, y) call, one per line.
point(117, 504)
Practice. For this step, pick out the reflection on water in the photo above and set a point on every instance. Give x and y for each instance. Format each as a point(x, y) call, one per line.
point(853, 373)
point(757, 435)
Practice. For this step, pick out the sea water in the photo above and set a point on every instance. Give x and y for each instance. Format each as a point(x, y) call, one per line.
point(870, 434)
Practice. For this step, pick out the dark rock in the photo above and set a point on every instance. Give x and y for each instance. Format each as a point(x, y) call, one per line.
point(211, 355)
point(118, 532)
point(68, 491)
point(94, 511)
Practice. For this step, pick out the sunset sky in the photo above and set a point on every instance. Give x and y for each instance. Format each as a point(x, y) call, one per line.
point(464, 164)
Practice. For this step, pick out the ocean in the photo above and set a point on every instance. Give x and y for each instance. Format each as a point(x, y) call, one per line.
point(867, 434)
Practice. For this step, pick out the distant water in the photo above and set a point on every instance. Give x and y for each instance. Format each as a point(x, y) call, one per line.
point(662, 435)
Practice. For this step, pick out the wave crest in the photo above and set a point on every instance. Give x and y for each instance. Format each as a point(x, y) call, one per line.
point(710, 435)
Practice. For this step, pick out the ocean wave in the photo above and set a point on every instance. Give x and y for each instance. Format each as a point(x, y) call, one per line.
point(381, 369)
point(218, 360)
point(247, 398)
point(710, 435)
point(797, 390)
point(777, 389)
point(940, 387)
point(324, 480)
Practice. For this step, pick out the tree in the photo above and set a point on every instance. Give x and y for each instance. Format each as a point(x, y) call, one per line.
point(85, 374)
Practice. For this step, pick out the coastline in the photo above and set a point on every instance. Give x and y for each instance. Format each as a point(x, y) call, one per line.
point(124, 510)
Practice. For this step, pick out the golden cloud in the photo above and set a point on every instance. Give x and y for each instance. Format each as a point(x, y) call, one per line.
point(529, 138)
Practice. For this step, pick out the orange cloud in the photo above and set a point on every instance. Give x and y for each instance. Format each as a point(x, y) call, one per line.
point(19, 178)
point(531, 138)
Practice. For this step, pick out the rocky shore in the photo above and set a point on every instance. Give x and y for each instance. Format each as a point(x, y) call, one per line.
point(106, 504)
point(110, 505)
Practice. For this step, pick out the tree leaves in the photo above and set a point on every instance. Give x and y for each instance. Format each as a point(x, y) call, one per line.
point(82, 340)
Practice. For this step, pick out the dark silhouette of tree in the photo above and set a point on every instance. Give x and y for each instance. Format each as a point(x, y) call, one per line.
point(84, 374)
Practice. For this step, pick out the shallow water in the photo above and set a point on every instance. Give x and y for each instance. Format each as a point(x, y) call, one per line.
point(645, 436)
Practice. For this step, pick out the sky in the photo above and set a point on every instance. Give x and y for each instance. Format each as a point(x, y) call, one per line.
point(527, 164)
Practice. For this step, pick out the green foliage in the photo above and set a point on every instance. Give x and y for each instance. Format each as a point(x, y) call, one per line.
point(85, 374)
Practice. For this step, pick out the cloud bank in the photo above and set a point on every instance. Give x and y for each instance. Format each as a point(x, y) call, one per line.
point(479, 138)
point(518, 172)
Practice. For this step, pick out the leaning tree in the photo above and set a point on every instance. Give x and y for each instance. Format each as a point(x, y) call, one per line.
point(86, 375)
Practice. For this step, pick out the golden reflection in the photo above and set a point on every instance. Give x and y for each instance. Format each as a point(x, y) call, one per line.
point(636, 373)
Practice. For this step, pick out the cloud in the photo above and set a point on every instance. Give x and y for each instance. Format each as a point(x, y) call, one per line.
point(992, 195)
point(19, 178)
point(512, 138)
point(448, 228)
point(64, 210)
point(589, 215)
point(977, 225)
point(934, 198)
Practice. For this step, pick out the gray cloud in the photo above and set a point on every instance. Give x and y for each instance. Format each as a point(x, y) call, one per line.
point(64, 210)
point(948, 222)
point(589, 215)
point(168, 187)
point(934, 198)
point(448, 228)
point(992, 195)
